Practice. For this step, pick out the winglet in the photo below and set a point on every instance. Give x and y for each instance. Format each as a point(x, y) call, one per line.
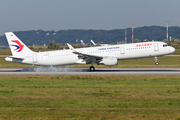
point(71, 47)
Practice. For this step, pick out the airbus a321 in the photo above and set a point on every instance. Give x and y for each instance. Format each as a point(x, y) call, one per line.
point(106, 55)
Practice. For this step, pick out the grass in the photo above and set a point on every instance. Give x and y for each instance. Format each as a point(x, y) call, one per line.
point(177, 52)
point(5, 51)
point(90, 97)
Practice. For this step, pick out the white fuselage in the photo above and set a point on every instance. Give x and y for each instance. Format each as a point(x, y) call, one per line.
point(121, 51)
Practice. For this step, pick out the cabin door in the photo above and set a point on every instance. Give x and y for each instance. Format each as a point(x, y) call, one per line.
point(156, 48)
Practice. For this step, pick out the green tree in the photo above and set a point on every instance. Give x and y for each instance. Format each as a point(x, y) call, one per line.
point(136, 40)
point(52, 45)
point(174, 43)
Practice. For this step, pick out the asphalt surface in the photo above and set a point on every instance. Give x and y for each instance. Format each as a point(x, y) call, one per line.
point(85, 71)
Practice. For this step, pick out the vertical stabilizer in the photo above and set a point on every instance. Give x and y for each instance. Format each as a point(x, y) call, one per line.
point(16, 46)
point(92, 42)
point(82, 43)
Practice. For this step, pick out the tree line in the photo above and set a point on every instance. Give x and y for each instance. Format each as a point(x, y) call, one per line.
point(146, 33)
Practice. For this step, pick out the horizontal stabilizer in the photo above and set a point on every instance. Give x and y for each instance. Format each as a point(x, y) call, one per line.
point(17, 57)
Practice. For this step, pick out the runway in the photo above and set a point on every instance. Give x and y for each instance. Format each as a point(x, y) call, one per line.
point(85, 71)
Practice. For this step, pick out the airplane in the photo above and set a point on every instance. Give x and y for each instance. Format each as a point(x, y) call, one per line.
point(82, 43)
point(92, 42)
point(106, 55)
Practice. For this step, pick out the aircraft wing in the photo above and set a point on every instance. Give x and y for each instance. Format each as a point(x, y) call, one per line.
point(86, 57)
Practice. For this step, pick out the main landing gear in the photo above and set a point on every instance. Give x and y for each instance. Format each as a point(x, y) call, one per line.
point(92, 68)
point(156, 61)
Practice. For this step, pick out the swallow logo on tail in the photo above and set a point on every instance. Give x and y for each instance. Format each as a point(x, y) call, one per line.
point(19, 46)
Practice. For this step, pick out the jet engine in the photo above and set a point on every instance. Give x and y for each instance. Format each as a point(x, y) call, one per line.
point(109, 61)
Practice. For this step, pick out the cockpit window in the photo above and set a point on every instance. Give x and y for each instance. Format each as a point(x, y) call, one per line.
point(165, 45)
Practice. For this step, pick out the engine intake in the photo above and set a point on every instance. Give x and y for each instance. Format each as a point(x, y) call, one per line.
point(109, 61)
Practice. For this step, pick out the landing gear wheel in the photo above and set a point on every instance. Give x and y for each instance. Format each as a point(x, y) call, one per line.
point(157, 63)
point(92, 68)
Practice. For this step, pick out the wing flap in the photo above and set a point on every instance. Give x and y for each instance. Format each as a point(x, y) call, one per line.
point(85, 58)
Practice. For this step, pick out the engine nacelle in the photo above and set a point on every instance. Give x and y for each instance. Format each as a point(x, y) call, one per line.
point(109, 61)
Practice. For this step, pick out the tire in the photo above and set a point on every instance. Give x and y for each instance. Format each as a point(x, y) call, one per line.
point(92, 68)
point(157, 63)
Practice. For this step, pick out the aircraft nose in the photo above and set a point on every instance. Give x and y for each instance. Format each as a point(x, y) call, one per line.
point(172, 49)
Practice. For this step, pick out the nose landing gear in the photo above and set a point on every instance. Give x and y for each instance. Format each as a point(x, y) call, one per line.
point(156, 61)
